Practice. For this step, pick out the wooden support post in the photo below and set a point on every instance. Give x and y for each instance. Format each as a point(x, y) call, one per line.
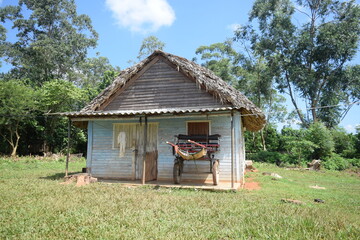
point(232, 149)
point(89, 147)
point(68, 149)
point(144, 156)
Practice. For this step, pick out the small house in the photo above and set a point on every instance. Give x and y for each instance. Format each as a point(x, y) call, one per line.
point(167, 98)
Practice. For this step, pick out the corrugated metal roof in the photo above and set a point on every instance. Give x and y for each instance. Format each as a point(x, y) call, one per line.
point(143, 112)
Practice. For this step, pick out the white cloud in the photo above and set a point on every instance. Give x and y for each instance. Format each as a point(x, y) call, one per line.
point(233, 27)
point(350, 128)
point(142, 16)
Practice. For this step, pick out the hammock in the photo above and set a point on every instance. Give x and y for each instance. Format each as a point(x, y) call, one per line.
point(189, 156)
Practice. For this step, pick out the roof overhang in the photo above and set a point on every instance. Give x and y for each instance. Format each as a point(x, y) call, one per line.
point(148, 112)
point(250, 120)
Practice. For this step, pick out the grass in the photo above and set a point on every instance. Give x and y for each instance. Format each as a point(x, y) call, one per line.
point(33, 205)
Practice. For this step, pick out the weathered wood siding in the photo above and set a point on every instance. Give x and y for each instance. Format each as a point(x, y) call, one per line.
point(105, 162)
point(160, 87)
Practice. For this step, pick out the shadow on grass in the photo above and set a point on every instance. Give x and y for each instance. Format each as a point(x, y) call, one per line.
point(57, 176)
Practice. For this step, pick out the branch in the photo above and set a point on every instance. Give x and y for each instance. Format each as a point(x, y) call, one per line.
point(297, 9)
point(293, 100)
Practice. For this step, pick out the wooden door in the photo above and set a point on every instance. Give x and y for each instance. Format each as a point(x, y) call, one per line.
point(151, 152)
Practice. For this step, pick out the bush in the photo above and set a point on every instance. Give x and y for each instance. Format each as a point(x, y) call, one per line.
point(355, 162)
point(268, 157)
point(320, 136)
point(336, 162)
point(344, 143)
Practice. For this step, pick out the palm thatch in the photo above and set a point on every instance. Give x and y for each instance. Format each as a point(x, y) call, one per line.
point(253, 118)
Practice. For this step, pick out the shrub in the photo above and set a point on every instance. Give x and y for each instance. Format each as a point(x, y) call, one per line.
point(300, 149)
point(344, 142)
point(269, 157)
point(321, 136)
point(355, 162)
point(336, 162)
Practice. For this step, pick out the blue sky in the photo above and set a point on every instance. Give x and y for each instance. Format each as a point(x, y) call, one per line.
point(183, 25)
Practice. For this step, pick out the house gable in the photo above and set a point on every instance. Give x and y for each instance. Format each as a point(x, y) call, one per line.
point(160, 86)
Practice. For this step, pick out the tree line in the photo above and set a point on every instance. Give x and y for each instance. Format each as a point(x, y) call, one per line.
point(273, 54)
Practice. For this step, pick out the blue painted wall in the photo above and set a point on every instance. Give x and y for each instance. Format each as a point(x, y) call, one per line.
point(104, 160)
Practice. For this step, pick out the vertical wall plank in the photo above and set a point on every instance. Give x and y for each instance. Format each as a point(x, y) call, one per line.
point(68, 148)
point(144, 153)
point(89, 146)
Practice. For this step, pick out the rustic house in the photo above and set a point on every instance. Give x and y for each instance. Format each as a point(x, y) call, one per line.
point(167, 98)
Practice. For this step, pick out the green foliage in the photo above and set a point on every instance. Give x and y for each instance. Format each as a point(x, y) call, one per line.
point(320, 136)
point(336, 162)
point(336, 148)
point(222, 59)
point(17, 102)
point(268, 157)
point(107, 79)
point(308, 60)
point(357, 141)
point(344, 143)
point(52, 39)
point(91, 72)
point(299, 148)
point(49, 53)
point(248, 73)
point(148, 46)
point(355, 162)
point(60, 96)
point(272, 140)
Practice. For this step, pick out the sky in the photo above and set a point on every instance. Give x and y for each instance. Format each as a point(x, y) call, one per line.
point(183, 25)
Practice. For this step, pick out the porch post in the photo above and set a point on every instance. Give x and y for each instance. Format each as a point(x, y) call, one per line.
point(232, 149)
point(68, 148)
point(144, 156)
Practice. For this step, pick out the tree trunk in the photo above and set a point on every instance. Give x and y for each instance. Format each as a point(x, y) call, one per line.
point(254, 140)
point(313, 112)
point(16, 144)
point(13, 152)
point(263, 139)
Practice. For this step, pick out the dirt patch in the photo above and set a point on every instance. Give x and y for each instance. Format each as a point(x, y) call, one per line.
point(250, 184)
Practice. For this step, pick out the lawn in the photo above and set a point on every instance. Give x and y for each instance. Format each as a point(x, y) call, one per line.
point(33, 205)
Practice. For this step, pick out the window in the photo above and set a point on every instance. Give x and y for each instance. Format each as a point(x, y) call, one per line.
point(198, 128)
point(133, 134)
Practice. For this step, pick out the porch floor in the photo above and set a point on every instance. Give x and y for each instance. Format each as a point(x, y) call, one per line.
point(222, 186)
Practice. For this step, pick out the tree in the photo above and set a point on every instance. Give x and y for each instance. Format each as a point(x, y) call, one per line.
point(309, 59)
point(17, 101)
point(299, 148)
point(52, 39)
point(222, 59)
point(91, 71)
point(148, 46)
point(248, 73)
point(344, 143)
point(58, 96)
point(322, 138)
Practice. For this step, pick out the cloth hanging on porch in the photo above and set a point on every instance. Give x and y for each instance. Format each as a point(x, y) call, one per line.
point(122, 143)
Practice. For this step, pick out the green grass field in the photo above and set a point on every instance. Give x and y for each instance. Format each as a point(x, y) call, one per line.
point(33, 205)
